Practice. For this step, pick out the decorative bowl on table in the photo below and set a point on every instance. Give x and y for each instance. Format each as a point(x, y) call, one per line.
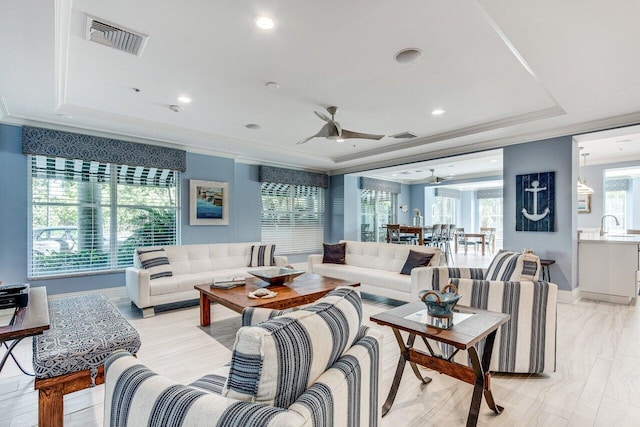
point(276, 275)
point(440, 303)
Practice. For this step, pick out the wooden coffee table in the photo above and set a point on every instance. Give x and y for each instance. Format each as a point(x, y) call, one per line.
point(304, 289)
point(461, 336)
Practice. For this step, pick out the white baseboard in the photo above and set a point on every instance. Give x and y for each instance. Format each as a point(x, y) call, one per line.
point(604, 297)
point(568, 297)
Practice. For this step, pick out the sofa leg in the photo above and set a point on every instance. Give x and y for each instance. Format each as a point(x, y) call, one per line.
point(148, 312)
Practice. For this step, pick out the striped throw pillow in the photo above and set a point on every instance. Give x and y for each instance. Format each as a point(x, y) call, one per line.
point(156, 262)
point(262, 255)
point(513, 266)
point(275, 361)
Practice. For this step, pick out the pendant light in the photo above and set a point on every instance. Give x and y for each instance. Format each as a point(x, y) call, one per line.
point(583, 188)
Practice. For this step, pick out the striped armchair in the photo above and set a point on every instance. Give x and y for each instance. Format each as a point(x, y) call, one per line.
point(527, 343)
point(317, 366)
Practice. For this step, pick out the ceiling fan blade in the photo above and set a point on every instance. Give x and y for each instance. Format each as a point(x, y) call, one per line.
point(323, 117)
point(305, 140)
point(349, 134)
point(338, 128)
point(322, 133)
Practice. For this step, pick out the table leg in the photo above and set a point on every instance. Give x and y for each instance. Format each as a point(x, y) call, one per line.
point(483, 244)
point(483, 381)
point(404, 357)
point(205, 310)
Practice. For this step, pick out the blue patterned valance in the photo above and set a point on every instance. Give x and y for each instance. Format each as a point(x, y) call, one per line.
point(56, 143)
point(447, 192)
point(380, 185)
point(292, 176)
point(619, 184)
point(489, 193)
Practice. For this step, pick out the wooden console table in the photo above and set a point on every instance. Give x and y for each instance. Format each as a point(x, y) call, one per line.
point(461, 336)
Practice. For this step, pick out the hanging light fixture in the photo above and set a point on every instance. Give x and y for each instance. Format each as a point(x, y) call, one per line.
point(583, 188)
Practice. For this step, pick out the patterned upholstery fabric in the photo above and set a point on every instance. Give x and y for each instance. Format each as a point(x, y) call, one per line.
point(513, 266)
point(440, 275)
point(156, 262)
point(345, 393)
point(262, 255)
point(315, 337)
point(254, 315)
point(527, 343)
point(84, 331)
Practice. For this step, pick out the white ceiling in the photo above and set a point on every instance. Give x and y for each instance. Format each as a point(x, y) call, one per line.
point(505, 71)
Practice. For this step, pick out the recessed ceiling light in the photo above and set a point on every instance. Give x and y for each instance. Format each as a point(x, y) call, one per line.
point(408, 56)
point(437, 111)
point(253, 126)
point(493, 161)
point(184, 99)
point(340, 140)
point(265, 23)
point(66, 116)
point(272, 85)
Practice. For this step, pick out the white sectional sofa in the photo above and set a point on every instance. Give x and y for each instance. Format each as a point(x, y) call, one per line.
point(377, 266)
point(190, 265)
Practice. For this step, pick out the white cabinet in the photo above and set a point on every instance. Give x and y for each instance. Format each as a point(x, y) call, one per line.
point(608, 270)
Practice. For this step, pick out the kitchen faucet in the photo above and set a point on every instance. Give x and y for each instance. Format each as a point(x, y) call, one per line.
point(602, 232)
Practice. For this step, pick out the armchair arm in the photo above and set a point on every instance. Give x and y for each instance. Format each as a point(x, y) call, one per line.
point(314, 260)
point(349, 387)
point(135, 395)
point(137, 283)
point(527, 342)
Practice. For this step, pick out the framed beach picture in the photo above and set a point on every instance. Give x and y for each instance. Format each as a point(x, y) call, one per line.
point(208, 203)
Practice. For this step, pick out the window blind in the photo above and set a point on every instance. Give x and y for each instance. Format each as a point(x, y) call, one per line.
point(89, 216)
point(293, 217)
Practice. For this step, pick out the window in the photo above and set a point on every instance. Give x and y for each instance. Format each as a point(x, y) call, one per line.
point(293, 217)
point(615, 203)
point(90, 216)
point(444, 210)
point(377, 208)
point(491, 214)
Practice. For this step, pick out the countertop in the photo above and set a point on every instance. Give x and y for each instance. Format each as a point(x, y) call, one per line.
point(630, 239)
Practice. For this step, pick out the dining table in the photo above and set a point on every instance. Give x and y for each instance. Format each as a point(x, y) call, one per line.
point(481, 236)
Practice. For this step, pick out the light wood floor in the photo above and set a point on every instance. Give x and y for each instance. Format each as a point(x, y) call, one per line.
point(597, 380)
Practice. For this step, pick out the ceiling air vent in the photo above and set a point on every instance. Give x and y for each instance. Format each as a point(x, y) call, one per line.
point(403, 135)
point(117, 37)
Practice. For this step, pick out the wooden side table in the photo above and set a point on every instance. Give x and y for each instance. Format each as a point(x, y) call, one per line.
point(461, 336)
point(545, 263)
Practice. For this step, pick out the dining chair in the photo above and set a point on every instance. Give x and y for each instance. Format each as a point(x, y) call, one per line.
point(489, 237)
point(394, 235)
point(463, 241)
point(435, 235)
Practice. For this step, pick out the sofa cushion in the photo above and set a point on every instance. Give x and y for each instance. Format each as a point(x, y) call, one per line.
point(155, 261)
point(415, 259)
point(383, 256)
point(262, 255)
point(314, 338)
point(334, 254)
point(186, 282)
point(513, 266)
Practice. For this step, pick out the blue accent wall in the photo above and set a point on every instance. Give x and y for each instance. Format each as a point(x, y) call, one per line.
point(334, 231)
point(559, 155)
point(245, 210)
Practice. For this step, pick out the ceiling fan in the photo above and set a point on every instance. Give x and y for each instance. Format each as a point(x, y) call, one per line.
point(333, 130)
point(433, 179)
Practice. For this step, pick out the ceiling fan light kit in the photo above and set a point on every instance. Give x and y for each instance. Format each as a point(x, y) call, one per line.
point(333, 130)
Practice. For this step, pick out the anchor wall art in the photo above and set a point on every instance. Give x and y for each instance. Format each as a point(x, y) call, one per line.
point(536, 201)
